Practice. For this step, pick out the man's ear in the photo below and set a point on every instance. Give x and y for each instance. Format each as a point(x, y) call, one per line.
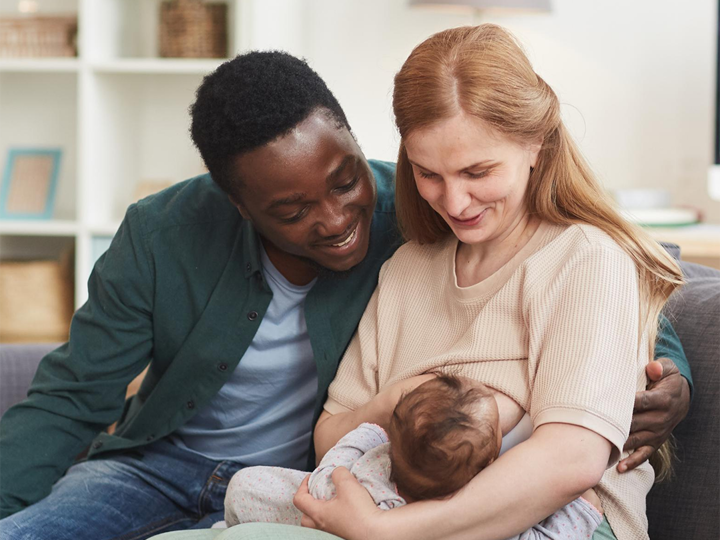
point(239, 205)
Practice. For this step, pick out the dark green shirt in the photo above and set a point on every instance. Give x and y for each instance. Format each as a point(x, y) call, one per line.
point(181, 290)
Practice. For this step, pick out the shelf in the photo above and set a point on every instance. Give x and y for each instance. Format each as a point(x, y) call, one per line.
point(34, 65)
point(696, 241)
point(39, 110)
point(118, 112)
point(149, 140)
point(31, 227)
point(104, 229)
point(158, 65)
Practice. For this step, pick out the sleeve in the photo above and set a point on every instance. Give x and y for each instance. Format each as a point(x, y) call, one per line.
point(79, 389)
point(668, 346)
point(356, 381)
point(345, 453)
point(585, 346)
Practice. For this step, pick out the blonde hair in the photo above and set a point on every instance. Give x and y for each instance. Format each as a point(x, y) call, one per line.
point(483, 72)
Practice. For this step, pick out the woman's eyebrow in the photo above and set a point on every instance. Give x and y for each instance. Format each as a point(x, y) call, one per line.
point(483, 163)
point(417, 164)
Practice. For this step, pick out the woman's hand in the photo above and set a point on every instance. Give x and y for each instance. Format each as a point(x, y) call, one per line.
point(657, 411)
point(349, 514)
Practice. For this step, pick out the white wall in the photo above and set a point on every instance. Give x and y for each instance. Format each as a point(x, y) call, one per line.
point(636, 78)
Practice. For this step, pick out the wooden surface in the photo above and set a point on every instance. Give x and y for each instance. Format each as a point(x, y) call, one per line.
point(698, 243)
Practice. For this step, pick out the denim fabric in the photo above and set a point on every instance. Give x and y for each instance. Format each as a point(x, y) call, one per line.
point(130, 496)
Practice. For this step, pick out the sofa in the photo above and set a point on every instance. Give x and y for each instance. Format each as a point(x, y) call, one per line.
point(686, 507)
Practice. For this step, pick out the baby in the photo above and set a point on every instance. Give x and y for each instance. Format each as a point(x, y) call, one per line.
point(441, 434)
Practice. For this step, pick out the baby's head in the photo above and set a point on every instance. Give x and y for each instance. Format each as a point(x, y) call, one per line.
point(441, 435)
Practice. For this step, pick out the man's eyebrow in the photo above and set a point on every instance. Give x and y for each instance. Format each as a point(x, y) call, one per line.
point(291, 199)
point(333, 176)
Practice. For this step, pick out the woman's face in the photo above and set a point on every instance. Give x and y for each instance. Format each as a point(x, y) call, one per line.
point(471, 175)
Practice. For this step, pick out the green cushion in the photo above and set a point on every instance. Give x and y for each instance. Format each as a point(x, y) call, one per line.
point(250, 531)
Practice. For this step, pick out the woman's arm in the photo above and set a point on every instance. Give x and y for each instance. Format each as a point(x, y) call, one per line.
point(525, 485)
point(330, 428)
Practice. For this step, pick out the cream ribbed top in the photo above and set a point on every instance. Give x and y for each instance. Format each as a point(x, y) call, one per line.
point(556, 329)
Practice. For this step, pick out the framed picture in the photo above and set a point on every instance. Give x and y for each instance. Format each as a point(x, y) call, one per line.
point(29, 183)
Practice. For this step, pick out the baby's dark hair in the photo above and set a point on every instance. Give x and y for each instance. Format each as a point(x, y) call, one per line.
point(441, 435)
point(250, 101)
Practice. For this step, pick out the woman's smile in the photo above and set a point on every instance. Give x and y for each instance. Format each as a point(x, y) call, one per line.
point(469, 222)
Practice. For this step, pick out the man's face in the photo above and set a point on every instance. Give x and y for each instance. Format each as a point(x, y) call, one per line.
point(311, 195)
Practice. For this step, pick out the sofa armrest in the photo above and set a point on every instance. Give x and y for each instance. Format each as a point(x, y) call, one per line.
point(18, 364)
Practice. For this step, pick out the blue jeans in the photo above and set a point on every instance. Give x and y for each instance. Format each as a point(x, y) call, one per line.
point(129, 496)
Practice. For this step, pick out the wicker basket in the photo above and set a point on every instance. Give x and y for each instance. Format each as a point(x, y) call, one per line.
point(38, 36)
point(193, 29)
point(36, 300)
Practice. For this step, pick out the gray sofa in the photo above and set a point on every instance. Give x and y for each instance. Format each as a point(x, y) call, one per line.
point(687, 507)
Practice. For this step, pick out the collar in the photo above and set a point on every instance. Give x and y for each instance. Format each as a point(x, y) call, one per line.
point(251, 249)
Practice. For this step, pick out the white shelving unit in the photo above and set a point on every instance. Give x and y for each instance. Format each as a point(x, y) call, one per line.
point(118, 112)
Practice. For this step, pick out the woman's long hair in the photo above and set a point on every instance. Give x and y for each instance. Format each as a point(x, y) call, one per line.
point(483, 72)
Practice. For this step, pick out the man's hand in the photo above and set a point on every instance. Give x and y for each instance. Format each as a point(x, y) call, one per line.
point(657, 411)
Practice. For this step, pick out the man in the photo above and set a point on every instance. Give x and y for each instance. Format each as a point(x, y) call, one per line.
point(271, 261)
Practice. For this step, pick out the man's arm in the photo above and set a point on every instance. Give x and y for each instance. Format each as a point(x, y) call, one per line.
point(79, 389)
point(668, 346)
point(665, 402)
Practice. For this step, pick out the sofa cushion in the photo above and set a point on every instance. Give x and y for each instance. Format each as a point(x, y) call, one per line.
point(688, 506)
point(18, 364)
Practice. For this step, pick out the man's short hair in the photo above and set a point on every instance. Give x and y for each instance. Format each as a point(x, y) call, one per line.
point(250, 101)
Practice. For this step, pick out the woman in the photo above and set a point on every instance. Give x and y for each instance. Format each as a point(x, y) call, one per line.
point(519, 272)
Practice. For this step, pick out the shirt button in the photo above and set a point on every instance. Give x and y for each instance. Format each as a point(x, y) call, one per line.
point(96, 445)
point(191, 404)
point(248, 267)
point(222, 367)
point(253, 315)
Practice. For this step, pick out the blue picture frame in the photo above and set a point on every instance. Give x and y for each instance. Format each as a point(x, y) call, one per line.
point(44, 206)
